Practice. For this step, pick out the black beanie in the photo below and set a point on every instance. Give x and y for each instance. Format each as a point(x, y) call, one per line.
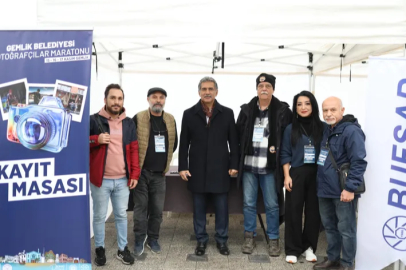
point(263, 77)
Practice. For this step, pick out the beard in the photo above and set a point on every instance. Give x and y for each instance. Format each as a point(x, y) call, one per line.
point(157, 108)
point(111, 109)
point(331, 122)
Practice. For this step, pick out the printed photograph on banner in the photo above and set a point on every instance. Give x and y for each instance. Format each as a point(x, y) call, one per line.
point(36, 91)
point(13, 93)
point(73, 97)
point(44, 126)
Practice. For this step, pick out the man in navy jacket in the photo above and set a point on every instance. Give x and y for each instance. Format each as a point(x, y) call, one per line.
point(345, 141)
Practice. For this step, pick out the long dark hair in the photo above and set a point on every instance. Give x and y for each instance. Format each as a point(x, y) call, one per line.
point(316, 124)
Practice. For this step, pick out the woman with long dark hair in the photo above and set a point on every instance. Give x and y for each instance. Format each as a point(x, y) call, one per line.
point(299, 152)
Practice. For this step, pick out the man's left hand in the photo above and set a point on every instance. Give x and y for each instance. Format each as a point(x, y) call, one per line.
point(232, 172)
point(347, 196)
point(133, 183)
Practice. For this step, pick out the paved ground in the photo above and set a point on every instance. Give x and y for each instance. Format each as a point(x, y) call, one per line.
point(176, 232)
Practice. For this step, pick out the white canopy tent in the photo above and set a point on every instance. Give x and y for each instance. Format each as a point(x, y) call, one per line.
point(180, 36)
point(171, 44)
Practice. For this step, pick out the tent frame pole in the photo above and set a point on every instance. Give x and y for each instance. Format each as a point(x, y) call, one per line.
point(398, 265)
point(120, 68)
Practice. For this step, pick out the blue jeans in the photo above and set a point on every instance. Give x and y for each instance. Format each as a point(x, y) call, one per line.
point(118, 191)
point(220, 202)
point(339, 222)
point(250, 182)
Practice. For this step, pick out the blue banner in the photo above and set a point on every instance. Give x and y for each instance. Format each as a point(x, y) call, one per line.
point(44, 154)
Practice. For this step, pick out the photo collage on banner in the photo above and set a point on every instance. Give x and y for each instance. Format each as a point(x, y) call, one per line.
point(44, 127)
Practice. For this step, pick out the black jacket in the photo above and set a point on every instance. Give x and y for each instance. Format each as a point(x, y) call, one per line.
point(204, 150)
point(245, 128)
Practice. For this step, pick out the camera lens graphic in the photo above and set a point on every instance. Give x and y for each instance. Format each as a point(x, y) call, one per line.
point(394, 232)
point(35, 129)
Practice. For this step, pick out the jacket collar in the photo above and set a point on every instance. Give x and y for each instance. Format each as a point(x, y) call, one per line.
point(148, 114)
point(247, 107)
point(198, 109)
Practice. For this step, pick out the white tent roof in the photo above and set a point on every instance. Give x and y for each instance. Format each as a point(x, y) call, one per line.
point(187, 32)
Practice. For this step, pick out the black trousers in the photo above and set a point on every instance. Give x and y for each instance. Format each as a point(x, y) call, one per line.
point(149, 198)
point(220, 201)
point(303, 194)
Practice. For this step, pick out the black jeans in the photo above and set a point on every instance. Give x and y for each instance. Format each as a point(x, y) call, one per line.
point(149, 198)
point(303, 194)
point(220, 201)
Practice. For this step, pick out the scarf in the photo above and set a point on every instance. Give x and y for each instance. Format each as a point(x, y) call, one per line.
point(207, 111)
point(272, 122)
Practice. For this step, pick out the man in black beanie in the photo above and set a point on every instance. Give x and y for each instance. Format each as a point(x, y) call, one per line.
point(260, 125)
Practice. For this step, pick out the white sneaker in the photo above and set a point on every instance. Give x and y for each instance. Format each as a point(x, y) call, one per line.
point(291, 259)
point(310, 256)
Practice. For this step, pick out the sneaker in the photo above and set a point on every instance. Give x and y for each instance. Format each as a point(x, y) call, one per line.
point(139, 246)
point(273, 248)
point(249, 243)
point(310, 256)
point(291, 259)
point(100, 256)
point(125, 256)
point(154, 246)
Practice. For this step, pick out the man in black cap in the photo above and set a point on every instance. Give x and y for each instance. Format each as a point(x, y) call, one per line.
point(260, 126)
point(157, 139)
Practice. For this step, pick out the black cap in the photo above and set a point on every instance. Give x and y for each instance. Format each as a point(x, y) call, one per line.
point(263, 77)
point(156, 89)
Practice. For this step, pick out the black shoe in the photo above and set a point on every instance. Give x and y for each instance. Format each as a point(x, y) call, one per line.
point(327, 265)
point(100, 259)
point(125, 256)
point(223, 249)
point(200, 248)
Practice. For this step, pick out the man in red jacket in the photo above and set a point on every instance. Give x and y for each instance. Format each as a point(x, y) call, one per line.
point(114, 168)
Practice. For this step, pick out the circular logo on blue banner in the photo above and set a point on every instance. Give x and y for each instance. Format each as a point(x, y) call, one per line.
point(7, 267)
point(394, 232)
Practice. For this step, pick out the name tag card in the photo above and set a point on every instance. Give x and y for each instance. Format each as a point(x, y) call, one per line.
point(323, 155)
point(258, 134)
point(159, 144)
point(309, 154)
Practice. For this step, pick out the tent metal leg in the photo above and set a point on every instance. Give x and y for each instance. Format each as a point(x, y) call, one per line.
point(313, 85)
point(263, 228)
point(398, 265)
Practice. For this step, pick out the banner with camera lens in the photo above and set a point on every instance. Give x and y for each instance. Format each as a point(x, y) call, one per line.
point(44, 156)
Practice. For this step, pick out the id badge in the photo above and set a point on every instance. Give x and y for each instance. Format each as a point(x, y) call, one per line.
point(309, 154)
point(323, 155)
point(258, 134)
point(159, 144)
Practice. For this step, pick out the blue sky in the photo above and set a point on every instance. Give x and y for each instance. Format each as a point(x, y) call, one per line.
point(44, 90)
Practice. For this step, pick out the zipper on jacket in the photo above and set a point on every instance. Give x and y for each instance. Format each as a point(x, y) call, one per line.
point(105, 156)
point(125, 152)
